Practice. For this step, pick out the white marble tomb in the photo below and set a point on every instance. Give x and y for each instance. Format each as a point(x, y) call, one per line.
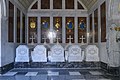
point(92, 53)
point(39, 54)
point(74, 54)
point(22, 54)
point(56, 54)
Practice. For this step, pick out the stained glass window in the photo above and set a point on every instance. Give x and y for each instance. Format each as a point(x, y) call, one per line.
point(69, 4)
point(82, 29)
point(96, 25)
point(57, 4)
point(32, 29)
point(103, 22)
point(45, 27)
point(23, 28)
point(11, 23)
point(57, 22)
point(35, 6)
point(18, 25)
point(91, 31)
point(70, 29)
point(45, 4)
point(79, 6)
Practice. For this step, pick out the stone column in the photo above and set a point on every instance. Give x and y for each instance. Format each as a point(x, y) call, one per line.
point(63, 30)
point(4, 11)
point(63, 4)
point(51, 27)
point(38, 30)
point(99, 25)
point(39, 4)
point(15, 24)
point(76, 24)
point(76, 30)
point(75, 4)
point(63, 24)
point(51, 4)
point(99, 32)
point(87, 29)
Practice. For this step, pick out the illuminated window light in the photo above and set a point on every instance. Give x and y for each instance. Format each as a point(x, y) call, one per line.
point(51, 35)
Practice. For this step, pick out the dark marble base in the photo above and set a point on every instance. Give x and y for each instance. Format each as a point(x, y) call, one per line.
point(58, 65)
point(6, 68)
point(110, 70)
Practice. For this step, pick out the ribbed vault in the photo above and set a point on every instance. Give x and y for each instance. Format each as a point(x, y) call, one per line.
point(87, 3)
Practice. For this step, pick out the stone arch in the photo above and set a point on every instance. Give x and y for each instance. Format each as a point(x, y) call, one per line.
point(32, 4)
point(82, 4)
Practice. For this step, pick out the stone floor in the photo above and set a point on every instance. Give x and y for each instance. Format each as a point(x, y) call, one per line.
point(57, 74)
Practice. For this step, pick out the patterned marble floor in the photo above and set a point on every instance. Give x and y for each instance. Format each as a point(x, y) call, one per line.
point(56, 74)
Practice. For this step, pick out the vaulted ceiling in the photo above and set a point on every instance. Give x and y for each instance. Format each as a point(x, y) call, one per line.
point(26, 3)
point(87, 3)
